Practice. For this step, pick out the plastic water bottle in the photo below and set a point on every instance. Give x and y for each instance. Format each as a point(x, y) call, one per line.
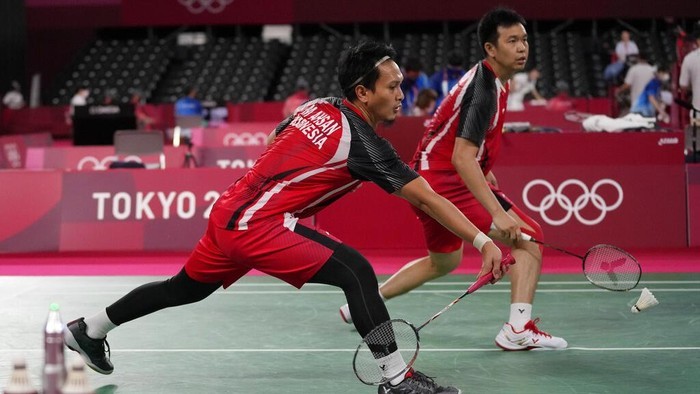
point(54, 365)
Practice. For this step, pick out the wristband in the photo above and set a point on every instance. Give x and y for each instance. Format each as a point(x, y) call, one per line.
point(480, 240)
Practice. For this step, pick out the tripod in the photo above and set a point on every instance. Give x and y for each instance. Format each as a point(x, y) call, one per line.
point(190, 161)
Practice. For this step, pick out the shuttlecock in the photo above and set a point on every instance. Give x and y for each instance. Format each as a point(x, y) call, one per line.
point(646, 300)
point(19, 380)
point(76, 381)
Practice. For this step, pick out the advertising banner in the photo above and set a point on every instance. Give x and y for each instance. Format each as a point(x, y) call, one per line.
point(139, 209)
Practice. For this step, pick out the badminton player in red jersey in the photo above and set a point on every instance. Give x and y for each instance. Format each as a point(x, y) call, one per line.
point(324, 150)
point(456, 156)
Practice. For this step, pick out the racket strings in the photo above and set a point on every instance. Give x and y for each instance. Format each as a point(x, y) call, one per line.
point(387, 338)
point(611, 268)
point(382, 341)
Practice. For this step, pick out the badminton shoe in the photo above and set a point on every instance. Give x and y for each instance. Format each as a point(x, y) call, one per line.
point(95, 352)
point(530, 338)
point(417, 383)
point(345, 314)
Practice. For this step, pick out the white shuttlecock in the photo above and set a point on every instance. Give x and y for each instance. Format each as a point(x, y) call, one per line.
point(19, 382)
point(76, 381)
point(646, 300)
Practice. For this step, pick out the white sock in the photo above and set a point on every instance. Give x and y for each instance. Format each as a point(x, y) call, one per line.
point(99, 325)
point(392, 365)
point(520, 314)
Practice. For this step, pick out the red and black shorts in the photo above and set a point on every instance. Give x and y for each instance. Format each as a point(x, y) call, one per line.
point(449, 185)
point(284, 249)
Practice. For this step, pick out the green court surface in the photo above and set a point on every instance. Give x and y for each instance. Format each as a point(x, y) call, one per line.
point(264, 336)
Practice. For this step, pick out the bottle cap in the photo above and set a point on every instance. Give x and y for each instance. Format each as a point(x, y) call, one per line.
point(53, 306)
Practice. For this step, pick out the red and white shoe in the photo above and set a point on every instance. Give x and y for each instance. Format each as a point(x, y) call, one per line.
point(345, 314)
point(530, 338)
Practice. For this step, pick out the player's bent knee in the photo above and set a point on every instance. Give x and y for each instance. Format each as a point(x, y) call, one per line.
point(444, 263)
point(363, 274)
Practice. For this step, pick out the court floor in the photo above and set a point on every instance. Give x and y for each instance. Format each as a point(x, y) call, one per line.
point(263, 336)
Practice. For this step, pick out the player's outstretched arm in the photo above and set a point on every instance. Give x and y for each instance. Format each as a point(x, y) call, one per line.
point(419, 193)
point(464, 161)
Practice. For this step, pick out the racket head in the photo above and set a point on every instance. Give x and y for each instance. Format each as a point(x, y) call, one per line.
point(407, 340)
point(611, 268)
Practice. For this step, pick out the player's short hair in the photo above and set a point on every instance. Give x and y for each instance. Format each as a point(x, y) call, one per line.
point(489, 23)
point(357, 65)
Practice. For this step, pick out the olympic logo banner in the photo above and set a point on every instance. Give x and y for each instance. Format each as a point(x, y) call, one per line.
point(579, 206)
point(572, 207)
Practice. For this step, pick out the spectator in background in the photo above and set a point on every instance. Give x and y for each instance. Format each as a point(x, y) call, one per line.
point(447, 77)
point(523, 85)
point(689, 80)
point(143, 120)
point(649, 103)
point(109, 97)
point(298, 97)
point(78, 100)
point(562, 101)
point(13, 99)
point(189, 105)
point(638, 76)
point(414, 80)
point(80, 97)
point(623, 50)
point(425, 103)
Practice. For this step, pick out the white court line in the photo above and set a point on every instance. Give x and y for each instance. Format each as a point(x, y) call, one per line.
point(87, 284)
point(445, 350)
point(578, 282)
point(309, 292)
point(481, 291)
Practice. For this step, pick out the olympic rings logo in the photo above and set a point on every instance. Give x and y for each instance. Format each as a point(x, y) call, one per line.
point(93, 163)
point(245, 139)
point(573, 208)
point(199, 6)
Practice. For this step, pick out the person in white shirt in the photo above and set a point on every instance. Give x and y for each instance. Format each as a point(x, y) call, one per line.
point(13, 99)
point(625, 47)
point(689, 79)
point(638, 76)
point(521, 85)
point(623, 50)
point(80, 97)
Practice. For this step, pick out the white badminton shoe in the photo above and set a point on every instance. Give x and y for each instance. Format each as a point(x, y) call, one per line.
point(530, 338)
point(345, 314)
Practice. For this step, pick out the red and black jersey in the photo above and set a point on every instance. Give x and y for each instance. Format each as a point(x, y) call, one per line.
point(474, 110)
point(321, 152)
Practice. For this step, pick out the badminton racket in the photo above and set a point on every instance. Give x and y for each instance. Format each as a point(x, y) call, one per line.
point(402, 336)
point(605, 266)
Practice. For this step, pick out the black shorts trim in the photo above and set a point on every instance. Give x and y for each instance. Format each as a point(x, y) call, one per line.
point(315, 236)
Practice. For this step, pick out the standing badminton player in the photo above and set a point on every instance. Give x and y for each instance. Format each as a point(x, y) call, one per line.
point(321, 152)
point(455, 156)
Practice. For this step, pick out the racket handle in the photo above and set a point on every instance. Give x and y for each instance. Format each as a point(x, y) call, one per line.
point(507, 260)
point(523, 236)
